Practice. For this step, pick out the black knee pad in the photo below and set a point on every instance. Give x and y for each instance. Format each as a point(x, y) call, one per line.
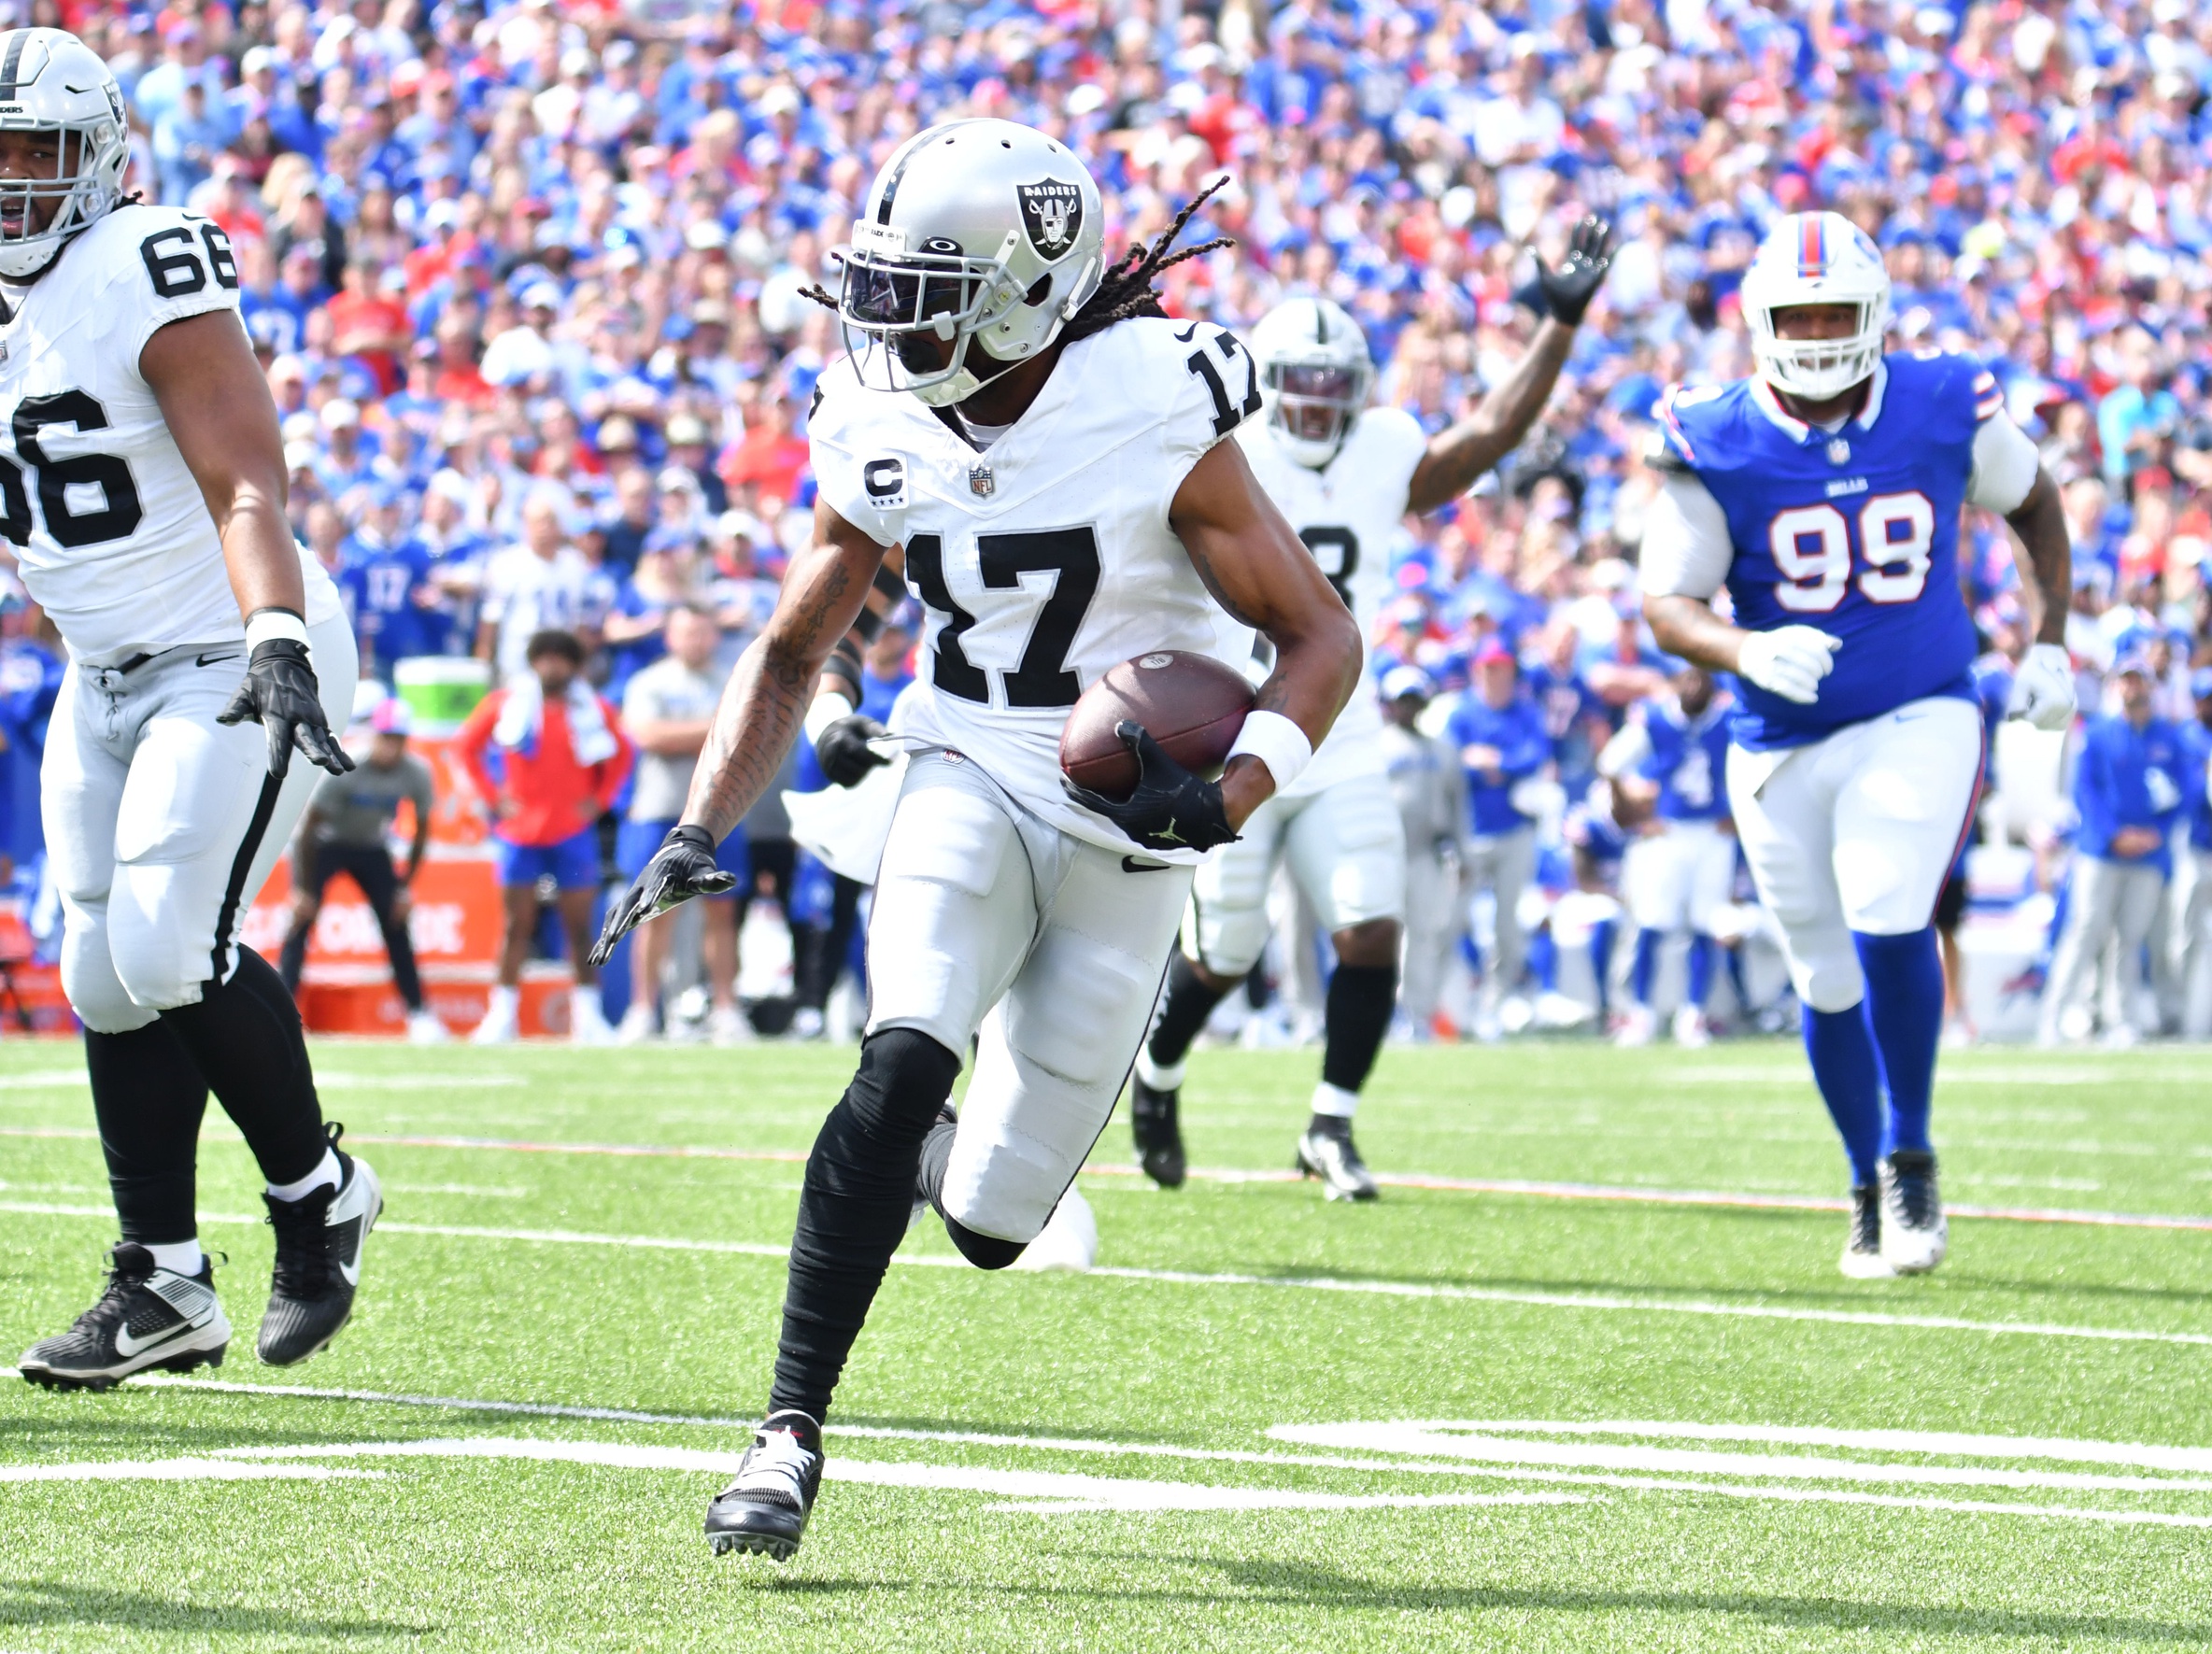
point(903, 1078)
point(985, 1251)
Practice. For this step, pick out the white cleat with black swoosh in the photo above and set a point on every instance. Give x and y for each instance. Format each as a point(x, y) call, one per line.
point(148, 1319)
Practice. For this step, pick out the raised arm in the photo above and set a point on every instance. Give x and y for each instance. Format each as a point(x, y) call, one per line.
point(1261, 573)
point(1457, 457)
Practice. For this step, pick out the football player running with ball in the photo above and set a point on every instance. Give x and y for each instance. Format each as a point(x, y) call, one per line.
point(1825, 493)
point(142, 489)
point(1043, 448)
point(1345, 474)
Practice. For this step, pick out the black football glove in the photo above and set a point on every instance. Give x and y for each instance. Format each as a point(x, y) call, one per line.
point(843, 750)
point(1570, 288)
point(279, 694)
point(683, 868)
point(1170, 809)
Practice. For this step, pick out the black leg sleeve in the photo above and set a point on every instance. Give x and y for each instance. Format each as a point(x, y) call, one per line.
point(1360, 1000)
point(1190, 1002)
point(149, 1097)
point(379, 881)
point(292, 959)
point(854, 1207)
point(247, 1040)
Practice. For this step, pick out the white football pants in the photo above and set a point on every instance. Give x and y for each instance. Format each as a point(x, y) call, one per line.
point(1680, 877)
point(1345, 847)
point(987, 921)
point(162, 825)
point(1856, 832)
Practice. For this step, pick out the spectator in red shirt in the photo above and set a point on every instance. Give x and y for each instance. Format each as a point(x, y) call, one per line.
point(769, 456)
point(366, 323)
point(563, 757)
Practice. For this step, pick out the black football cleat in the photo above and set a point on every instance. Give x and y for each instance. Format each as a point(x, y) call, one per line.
point(319, 1245)
point(1329, 1155)
point(764, 1510)
point(148, 1319)
point(1154, 1121)
point(1861, 1257)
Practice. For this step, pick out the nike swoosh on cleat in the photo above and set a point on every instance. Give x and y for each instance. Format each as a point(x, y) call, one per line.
point(127, 1346)
point(1129, 864)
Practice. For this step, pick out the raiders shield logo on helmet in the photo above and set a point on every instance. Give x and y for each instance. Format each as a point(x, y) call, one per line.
point(1052, 214)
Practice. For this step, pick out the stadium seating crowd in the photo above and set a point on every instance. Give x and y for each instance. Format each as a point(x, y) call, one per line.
point(528, 279)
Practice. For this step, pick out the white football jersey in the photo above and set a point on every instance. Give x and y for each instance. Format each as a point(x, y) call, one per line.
point(1046, 559)
point(1348, 513)
point(109, 525)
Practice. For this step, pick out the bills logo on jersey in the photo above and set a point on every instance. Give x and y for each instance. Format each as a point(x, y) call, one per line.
point(1051, 216)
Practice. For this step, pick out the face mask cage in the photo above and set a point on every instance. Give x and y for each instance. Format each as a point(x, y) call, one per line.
point(71, 192)
point(912, 304)
point(1821, 367)
point(1316, 402)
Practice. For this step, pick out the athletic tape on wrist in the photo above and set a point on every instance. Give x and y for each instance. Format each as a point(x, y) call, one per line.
point(1277, 743)
point(828, 707)
point(267, 625)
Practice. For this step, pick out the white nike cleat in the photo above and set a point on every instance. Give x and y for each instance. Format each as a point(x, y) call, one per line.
point(1639, 1026)
point(1690, 1030)
point(424, 1028)
point(1914, 1235)
point(726, 1025)
point(499, 1023)
point(148, 1318)
point(1068, 1244)
point(637, 1026)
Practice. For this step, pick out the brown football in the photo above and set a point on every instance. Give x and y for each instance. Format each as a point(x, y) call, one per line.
point(1192, 704)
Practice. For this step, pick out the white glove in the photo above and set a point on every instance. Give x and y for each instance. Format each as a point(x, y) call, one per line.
point(1789, 662)
point(2043, 689)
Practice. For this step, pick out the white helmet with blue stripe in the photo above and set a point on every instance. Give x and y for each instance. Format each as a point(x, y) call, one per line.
point(1817, 258)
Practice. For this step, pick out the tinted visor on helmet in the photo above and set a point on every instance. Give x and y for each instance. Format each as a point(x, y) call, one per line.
point(1313, 402)
point(922, 305)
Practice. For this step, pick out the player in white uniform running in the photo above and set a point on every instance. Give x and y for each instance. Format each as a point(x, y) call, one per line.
point(1346, 475)
point(142, 489)
point(1041, 445)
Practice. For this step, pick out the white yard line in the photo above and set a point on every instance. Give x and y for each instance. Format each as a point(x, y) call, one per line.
point(172, 1470)
point(1944, 1443)
point(1588, 1302)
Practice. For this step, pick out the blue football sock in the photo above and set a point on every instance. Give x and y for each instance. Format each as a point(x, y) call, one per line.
point(1644, 966)
point(1849, 1074)
point(1701, 970)
point(1601, 962)
point(1543, 959)
point(1905, 1010)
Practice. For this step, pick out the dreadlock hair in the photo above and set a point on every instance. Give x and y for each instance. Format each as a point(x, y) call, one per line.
point(1126, 289)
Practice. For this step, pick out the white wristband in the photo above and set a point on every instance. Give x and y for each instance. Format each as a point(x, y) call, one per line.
point(829, 705)
point(1277, 743)
point(270, 624)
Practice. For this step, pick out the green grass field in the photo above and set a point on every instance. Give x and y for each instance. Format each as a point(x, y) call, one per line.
point(1698, 1435)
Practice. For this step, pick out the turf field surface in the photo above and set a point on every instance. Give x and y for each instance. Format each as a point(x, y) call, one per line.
point(1584, 1377)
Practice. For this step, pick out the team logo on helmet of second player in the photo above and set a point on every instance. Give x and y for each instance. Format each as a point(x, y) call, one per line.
point(1051, 216)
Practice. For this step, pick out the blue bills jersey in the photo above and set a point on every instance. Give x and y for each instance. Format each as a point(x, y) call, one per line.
point(1854, 532)
point(1689, 760)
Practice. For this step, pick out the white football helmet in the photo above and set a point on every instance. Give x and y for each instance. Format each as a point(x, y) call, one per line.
point(1313, 372)
point(1816, 259)
point(976, 232)
point(51, 81)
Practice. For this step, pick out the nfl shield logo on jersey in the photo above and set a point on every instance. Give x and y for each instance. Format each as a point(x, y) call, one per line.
point(980, 481)
point(1051, 215)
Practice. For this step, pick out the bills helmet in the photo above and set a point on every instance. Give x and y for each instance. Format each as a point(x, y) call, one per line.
point(1816, 259)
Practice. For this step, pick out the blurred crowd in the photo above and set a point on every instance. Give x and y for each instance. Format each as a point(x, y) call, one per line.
point(527, 280)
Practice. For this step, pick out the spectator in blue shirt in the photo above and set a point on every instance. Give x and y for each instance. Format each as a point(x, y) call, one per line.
point(2192, 884)
point(2128, 793)
point(1502, 743)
